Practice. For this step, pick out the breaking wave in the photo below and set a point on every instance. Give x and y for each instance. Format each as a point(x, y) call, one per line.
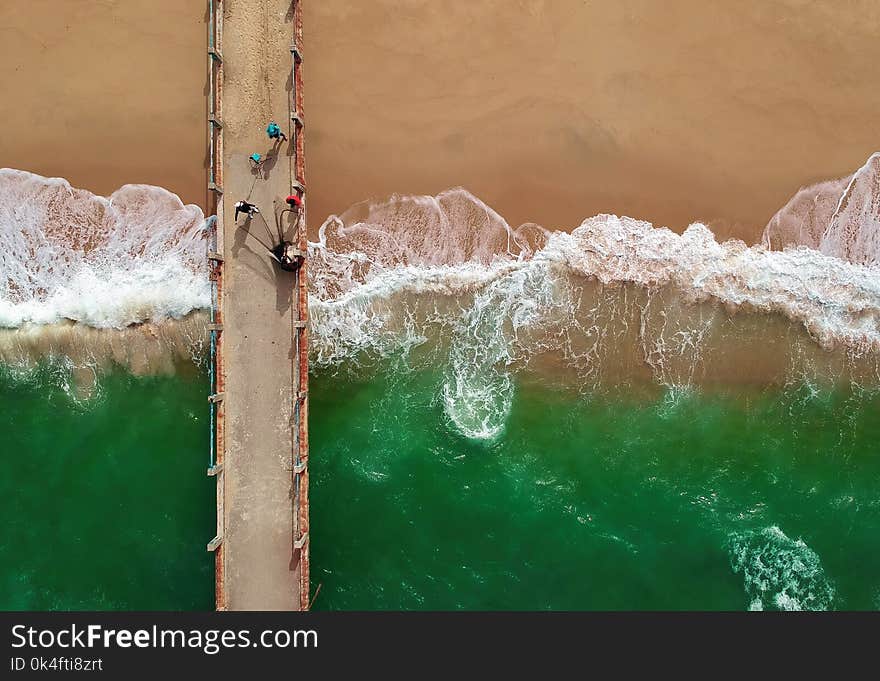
point(445, 281)
point(840, 218)
point(106, 262)
point(780, 573)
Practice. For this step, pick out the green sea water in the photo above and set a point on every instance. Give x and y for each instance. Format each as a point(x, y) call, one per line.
point(725, 502)
point(729, 500)
point(106, 504)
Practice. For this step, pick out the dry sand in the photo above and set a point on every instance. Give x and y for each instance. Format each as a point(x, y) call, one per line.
point(554, 110)
point(106, 92)
point(550, 110)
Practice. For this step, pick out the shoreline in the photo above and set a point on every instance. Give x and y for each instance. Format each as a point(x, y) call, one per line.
point(770, 352)
point(601, 121)
point(145, 349)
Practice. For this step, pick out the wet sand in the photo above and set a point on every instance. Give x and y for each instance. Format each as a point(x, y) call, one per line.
point(548, 111)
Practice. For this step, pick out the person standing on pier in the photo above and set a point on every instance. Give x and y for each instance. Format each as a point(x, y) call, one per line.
point(248, 209)
point(275, 133)
point(295, 202)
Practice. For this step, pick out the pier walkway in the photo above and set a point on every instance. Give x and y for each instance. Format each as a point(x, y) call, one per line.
point(259, 329)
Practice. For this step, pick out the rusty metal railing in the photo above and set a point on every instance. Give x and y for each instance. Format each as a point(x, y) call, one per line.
point(300, 325)
point(214, 206)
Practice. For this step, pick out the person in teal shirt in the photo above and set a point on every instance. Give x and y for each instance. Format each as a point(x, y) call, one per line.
point(275, 132)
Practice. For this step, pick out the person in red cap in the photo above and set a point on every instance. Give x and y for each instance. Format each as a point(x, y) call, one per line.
point(294, 201)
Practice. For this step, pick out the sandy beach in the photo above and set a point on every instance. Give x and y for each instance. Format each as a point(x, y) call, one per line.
point(548, 111)
point(105, 92)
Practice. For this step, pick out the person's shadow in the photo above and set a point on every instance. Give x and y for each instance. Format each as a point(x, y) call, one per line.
point(257, 262)
point(285, 285)
point(265, 266)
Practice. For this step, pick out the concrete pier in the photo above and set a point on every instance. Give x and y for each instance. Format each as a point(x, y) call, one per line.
point(261, 432)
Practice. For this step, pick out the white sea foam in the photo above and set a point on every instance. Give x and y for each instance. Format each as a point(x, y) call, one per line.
point(67, 254)
point(445, 278)
point(780, 573)
point(839, 217)
point(615, 294)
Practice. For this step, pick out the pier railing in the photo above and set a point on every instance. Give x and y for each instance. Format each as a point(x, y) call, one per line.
point(215, 262)
point(300, 329)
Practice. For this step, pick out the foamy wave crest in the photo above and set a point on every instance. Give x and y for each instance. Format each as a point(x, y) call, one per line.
point(448, 279)
point(780, 573)
point(840, 218)
point(66, 254)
